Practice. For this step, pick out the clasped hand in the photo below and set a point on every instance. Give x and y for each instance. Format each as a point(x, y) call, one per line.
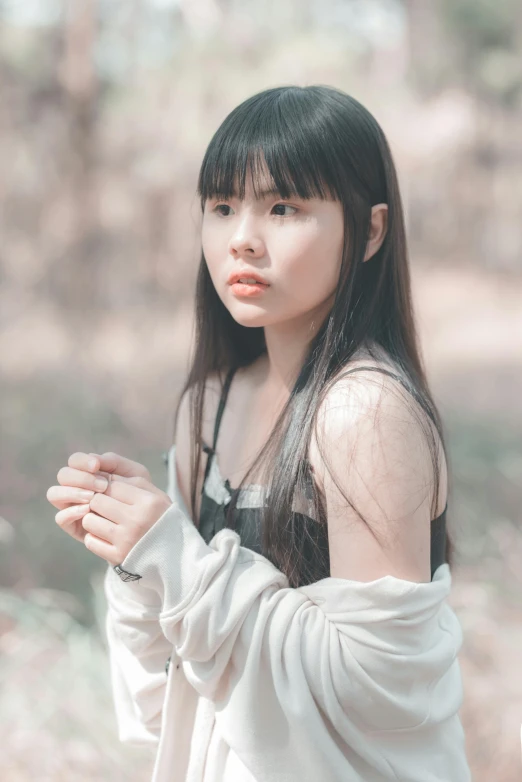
point(107, 502)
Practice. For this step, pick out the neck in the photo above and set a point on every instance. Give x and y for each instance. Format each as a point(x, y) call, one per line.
point(287, 345)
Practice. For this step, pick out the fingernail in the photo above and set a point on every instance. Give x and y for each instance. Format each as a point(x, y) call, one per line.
point(100, 484)
point(86, 495)
point(91, 464)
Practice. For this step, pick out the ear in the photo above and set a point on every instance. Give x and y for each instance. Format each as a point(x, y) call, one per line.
point(378, 226)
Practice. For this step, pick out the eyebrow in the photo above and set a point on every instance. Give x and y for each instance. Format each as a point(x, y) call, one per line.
point(273, 191)
point(268, 193)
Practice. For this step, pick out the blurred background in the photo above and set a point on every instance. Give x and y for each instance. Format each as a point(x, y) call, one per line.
point(106, 108)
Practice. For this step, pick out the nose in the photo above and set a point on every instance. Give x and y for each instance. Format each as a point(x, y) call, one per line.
point(246, 240)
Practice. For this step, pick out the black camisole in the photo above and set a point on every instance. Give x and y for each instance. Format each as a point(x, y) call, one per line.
point(217, 493)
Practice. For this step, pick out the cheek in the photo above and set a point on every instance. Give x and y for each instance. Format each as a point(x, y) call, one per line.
point(213, 245)
point(207, 241)
point(311, 261)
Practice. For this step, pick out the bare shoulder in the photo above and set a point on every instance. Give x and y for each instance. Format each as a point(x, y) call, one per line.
point(363, 384)
point(367, 411)
point(374, 461)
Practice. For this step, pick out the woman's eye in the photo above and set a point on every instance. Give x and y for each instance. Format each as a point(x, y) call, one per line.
point(221, 209)
point(285, 206)
point(221, 206)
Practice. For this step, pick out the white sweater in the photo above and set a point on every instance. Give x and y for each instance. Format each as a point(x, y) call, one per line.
point(338, 681)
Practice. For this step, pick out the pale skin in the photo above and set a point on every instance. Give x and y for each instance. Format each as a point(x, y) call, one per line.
point(107, 516)
point(296, 246)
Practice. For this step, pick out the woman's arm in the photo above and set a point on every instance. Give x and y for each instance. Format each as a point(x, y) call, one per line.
point(374, 662)
point(138, 651)
point(340, 643)
point(379, 478)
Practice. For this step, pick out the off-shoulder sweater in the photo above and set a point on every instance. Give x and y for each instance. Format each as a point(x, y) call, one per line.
point(336, 681)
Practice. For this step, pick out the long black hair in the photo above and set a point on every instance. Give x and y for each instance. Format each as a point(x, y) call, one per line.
point(314, 141)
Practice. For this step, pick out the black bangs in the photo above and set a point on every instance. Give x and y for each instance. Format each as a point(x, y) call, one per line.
point(277, 137)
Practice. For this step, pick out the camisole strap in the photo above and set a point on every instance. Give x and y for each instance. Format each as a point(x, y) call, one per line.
point(222, 402)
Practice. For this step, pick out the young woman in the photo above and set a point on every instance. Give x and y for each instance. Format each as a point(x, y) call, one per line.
point(296, 571)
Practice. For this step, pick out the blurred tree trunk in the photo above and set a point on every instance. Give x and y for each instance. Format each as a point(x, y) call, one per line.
point(79, 81)
point(425, 43)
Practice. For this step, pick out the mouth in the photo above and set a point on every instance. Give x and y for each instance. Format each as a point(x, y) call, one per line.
point(248, 288)
point(247, 279)
point(244, 281)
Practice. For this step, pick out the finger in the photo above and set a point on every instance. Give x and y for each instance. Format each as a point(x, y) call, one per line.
point(68, 515)
point(99, 526)
point(66, 518)
point(90, 462)
point(101, 548)
point(118, 503)
point(113, 462)
point(63, 496)
point(68, 476)
point(110, 476)
point(138, 482)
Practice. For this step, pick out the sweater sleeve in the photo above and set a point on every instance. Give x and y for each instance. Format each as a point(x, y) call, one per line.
point(138, 652)
point(371, 657)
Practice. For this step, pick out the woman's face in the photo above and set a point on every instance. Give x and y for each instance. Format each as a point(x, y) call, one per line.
point(294, 244)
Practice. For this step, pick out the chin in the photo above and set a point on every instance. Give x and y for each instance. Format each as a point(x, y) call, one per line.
point(250, 319)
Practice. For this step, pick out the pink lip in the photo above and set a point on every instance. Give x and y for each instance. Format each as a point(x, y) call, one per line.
point(248, 289)
point(236, 276)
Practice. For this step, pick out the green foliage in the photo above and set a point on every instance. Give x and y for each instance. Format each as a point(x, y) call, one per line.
point(482, 24)
point(78, 417)
point(486, 36)
point(484, 507)
point(56, 711)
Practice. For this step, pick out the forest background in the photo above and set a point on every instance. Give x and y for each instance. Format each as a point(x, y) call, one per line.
point(106, 108)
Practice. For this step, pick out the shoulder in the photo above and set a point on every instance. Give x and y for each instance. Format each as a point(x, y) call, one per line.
point(373, 467)
point(371, 444)
point(366, 392)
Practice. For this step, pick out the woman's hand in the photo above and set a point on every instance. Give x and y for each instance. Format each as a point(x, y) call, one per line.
point(119, 517)
point(78, 488)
